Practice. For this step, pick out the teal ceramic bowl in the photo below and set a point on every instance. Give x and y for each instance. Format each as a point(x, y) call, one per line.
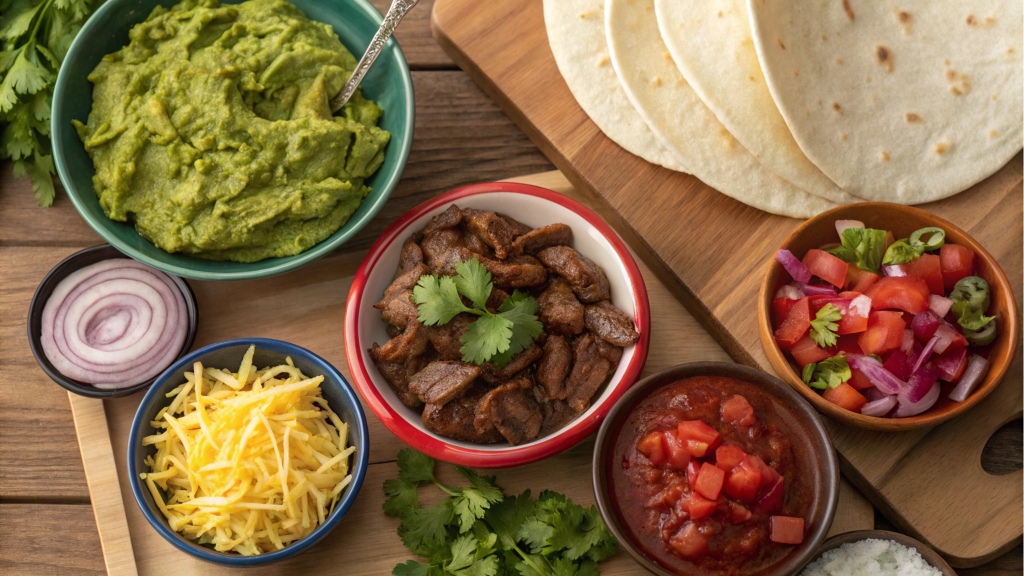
point(355, 21)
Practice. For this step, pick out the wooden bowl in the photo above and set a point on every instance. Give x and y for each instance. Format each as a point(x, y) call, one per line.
point(902, 221)
point(930, 556)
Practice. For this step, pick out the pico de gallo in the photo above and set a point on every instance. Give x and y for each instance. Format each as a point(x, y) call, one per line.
point(883, 326)
point(706, 481)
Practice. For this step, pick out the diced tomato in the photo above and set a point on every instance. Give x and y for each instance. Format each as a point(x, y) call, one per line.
point(818, 302)
point(806, 351)
point(709, 481)
point(787, 530)
point(668, 497)
point(743, 482)
point(957, 263)
point(826, 266)
point(845, 396)
point(688, 542)
point(676, 454)
point(700, 506)
point(772, 498)
point(796, 324)
point(854, 320)
point(951, 363)
point(736, 410)
point(652, 446)
point(849, 294)
point(691, 473)
point(699, 437)
point(928, 268)
point(858, 380)
point(884, 333)
point(859, 280)
point(729, 456)
point(738, 513)
point(907, 293)
point(848, 343)
point(780, 309)
point(768, 474)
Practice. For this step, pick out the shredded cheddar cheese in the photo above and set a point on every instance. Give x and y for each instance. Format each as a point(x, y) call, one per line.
point(247, 461)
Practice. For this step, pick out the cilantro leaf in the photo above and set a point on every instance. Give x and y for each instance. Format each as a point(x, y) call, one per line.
point(828, 373)
point(424, 529)
point(415, 467)
point(438, 300)
point(402, 496)
point(414, 568)
point(473, 502)
point(469, 558)
point(824, 326)
point(506, 516)
point(473, 281)
point(901, 252)
point(485, 337)
point(521, 309)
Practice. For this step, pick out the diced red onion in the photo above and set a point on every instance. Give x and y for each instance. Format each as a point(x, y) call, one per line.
point(114, 324)
point(894, 270)
point(925, 324)
point(919, 383)
point(940, 305)
point(872, 393)
point(925, 354)
point(908, 341)
point(794, 266)
point(949, 363)
point(860, 306)
point(844, 224)
point(879, 408)
point(789, 292)
point(896, 363)
point(946, 335)
point(976, 370)
point(812, 290)
point(914, 408)
point(876, 374)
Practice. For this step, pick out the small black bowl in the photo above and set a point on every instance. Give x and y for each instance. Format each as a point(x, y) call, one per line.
point(71, 264)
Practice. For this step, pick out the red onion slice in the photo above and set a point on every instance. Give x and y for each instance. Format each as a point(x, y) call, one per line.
point(879, 408)
point(876, 374)
point(789, 292)
point(794, 266)
point(940, 305)
point(842, 225)
point(977, 368)
point(946, 335)
point(920, 382)
point(812, 290)
point(914, 408)
point(925, 354)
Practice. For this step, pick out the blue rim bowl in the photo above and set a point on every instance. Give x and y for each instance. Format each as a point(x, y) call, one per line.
point(335, 389)
point(388, 83)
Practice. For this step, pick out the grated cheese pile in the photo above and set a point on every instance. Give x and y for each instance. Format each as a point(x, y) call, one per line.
point(249, 461)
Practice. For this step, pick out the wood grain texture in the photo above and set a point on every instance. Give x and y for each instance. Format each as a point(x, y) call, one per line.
point(49, 539)
point(711, 250)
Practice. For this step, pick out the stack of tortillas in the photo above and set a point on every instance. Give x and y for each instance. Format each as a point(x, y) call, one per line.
point(794, 106)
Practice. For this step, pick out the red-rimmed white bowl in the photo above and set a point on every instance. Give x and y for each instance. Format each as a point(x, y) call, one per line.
point(533, 206)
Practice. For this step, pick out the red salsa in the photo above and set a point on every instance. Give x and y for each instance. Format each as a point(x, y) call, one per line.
point(705, 480)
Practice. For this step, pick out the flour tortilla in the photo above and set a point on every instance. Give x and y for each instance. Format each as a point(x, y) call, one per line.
point(682, 123)
point(711, 45)
point(908, 103)
point(576, 35)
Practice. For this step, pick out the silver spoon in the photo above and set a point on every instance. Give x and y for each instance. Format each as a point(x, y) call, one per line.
point(395, 14)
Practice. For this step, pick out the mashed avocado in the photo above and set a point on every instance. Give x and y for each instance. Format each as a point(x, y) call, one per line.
point(212, 133)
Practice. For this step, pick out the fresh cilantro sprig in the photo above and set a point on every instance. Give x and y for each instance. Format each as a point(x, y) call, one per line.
point(477, 530)
point(828, 373)
point(823, 327)
point(862, 247)
point(34, 38)
point(495, 337)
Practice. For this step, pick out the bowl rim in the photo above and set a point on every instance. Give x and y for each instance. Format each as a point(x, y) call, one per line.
point(930, 556)
point(775, 387)
point(358, 469)
point(782, 366)
point(286, 263)
point(552, 444)
point(42, 295)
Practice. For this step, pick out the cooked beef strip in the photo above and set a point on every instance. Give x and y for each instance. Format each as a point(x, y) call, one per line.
point(518, 272)
point(398, 373)
point(557, 413)
point(477, 246)
point(410, 257)
point(518, 228)
point(409, 344)
point(610, 323)
point(400, 310)
point(494, 375)
point(534, 240)
point(587, 279)
point(444, 250)
point(445, 338)
point(553, 368)
point(560, 311)
point(593, 360)
point(512, 409)
point(440, 381)
point(406, 281)
point(450, 218)
point(456, 419)
point(492, 229)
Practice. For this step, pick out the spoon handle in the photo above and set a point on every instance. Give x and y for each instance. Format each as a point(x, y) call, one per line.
point(395, 14)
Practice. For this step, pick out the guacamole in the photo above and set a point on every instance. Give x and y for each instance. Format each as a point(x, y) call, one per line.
point(212, 133)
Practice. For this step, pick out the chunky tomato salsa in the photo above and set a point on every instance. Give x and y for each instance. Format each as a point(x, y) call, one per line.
point(705, 480)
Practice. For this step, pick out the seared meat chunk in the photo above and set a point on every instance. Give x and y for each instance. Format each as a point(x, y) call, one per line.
point(456, 419)
point(445, 338)
point(518, 272)
point(553, 368)
point(536, 239)
point(587, 279)
point(492, 229)
point(518, 228)
point(593, 361)
point(494, 375)
point(560, 311)
point(611, 324)
point(410, 257)
point(409, 344)
point(440, 381)
point(448, 219)
point(397, 373)
point(444, 250)
point(557, 413)
point(511, 409)
point(400, 310)
point(475, 245)
point(402, 283)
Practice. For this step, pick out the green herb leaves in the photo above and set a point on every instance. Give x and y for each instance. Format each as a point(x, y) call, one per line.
point(828, 373)
point(862, 247)
point(478, 531)
point(910, 249)
point(34, 37)
point(495, 337)
point(824, 326)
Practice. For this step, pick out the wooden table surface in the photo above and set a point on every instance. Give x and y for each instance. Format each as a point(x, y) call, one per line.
point(45, 513)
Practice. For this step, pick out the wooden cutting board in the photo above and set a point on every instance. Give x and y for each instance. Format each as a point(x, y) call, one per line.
point(712, 250)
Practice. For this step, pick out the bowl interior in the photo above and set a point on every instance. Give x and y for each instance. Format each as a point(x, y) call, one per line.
point(930, 556)
point(816, 459)
point(902, 221)
point(71, 264)
point(533, 211)
point(355, 21)
point(335, 389)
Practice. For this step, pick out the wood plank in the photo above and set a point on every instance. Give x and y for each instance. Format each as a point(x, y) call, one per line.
point(413, 36)
point(49, 539)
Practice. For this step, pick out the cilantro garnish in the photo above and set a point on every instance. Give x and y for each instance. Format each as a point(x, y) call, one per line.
point(34, 38)
point(862, 247)
point(495, 337)
point(477, 530)
point(823, 327)
point(828, 373)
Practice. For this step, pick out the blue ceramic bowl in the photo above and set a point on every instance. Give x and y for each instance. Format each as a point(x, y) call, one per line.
point(388, 83)
point(335, 389)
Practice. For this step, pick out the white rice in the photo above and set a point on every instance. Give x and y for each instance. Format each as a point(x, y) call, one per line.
point(871, 557)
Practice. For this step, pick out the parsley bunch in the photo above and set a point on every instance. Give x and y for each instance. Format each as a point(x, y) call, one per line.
point(495, 337)
point(479, 531)
point(34, 38)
